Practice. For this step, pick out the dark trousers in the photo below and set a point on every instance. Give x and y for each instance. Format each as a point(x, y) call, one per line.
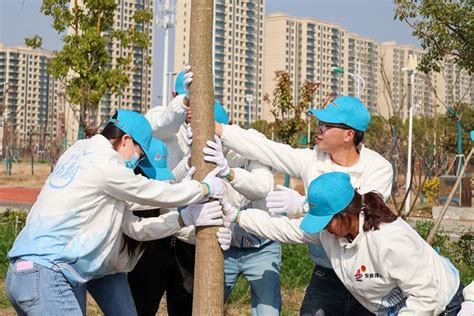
point(326, 295)
point(166, 265)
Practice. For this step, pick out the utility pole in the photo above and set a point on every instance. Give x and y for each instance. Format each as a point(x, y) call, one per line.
point(249, 99)
point(209, 263)
point(411, 68)
point(165, 20)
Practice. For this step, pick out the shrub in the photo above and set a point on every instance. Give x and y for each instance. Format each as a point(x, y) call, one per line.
point(460, 253)
point(11, 222)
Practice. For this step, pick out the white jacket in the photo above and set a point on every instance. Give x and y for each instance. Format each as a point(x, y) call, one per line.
point(391, 270)
point(143, 229)
point(371, 173)
point(168, 124)
point(78, 214)
point(251, 184)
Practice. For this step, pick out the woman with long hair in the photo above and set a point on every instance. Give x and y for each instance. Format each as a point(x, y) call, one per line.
point(379, 258)
point(72, 227)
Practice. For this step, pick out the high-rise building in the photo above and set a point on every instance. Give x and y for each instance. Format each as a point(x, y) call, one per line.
point(29, 97)
point(309, 49)
point(238, 54)
point(433, 92)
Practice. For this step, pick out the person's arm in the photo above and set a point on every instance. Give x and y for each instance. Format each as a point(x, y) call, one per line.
point(124, 185)
point(151, 228)
point(166, 120)
point(278, 228)
point(281, 157)
point(181, 170)
point(187, 234)
point(405, 257)
point(254, 183)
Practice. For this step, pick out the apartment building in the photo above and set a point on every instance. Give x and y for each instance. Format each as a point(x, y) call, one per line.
point(310, 49)
point(29, 97)
point(432, 92)
point(238, 54)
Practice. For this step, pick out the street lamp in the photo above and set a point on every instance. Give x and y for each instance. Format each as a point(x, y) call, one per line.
point(411, 69)
point(165, 20)
point(249, 99)
point(357, 77)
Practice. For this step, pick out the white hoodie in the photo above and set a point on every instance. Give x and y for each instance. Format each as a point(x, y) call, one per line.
point(390, 271)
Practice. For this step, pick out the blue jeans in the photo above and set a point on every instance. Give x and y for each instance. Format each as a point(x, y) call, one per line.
point(36, 290)
point(112, 294)
point(261, 267)
point(326, 295)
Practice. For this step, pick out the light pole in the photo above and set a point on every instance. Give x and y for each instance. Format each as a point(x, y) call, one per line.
point(411, 69)
point(357, 77)
point(165, 20)
point(310, 107)
point(249, 99)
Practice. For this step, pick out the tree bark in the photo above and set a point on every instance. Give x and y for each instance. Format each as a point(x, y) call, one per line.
point(209, 265)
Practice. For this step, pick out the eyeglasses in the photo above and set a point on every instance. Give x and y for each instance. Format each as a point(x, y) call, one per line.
point(323, 127)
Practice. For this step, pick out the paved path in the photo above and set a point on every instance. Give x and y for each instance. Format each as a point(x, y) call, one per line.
point(18, 197)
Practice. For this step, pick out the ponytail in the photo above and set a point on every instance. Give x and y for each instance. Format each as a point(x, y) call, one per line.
point(374, 208)
point(375, 211)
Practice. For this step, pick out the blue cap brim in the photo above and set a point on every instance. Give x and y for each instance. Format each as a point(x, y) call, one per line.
point(326, 115)
point(155, 173)
point(314, 224)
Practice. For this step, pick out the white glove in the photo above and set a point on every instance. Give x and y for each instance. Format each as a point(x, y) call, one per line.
point(188, 78)
point(190, 173)
point(224, 236)
point(214, 184)
point(467, 308)
point(207, 214)
point(230, 214)
point(285, 200)
point(189, 136)
point(213, 153)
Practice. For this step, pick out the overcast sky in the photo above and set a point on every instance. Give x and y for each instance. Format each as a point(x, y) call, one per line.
point(372, 18)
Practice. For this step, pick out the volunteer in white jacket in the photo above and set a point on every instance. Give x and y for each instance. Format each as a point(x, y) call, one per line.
point(170, 123)
point(112, 291)
point(258, 259)
point(378, 257)
point(341, 129)
point(73, 225)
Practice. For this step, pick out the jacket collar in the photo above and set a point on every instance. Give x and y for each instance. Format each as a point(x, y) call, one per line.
point(345, 243)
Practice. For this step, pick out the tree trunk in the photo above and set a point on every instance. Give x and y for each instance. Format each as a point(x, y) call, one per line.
point(209, 267)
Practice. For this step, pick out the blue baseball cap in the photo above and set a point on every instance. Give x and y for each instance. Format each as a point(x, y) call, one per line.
point(179, 83)
point(135, 125)
point(220, 115)
point(345, 110)
point(328, 194)
point(156, 164)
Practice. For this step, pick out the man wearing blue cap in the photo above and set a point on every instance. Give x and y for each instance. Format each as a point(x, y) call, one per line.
point(341, 129)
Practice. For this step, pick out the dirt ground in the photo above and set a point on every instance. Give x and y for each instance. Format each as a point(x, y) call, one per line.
point(21, 175)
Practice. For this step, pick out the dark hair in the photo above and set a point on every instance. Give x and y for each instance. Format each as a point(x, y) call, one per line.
point(131, 244)
point(110, 131)
point(358, 137)
point(375, 211)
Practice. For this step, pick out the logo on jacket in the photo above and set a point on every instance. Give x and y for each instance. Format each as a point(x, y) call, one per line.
point(361, 274)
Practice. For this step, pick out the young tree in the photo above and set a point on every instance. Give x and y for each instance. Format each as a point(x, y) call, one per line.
point(289, 123)
point(445, 28)
point(208, 293)
point(85, 65)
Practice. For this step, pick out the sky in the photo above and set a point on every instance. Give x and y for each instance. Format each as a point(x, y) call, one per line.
point(371, 18)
